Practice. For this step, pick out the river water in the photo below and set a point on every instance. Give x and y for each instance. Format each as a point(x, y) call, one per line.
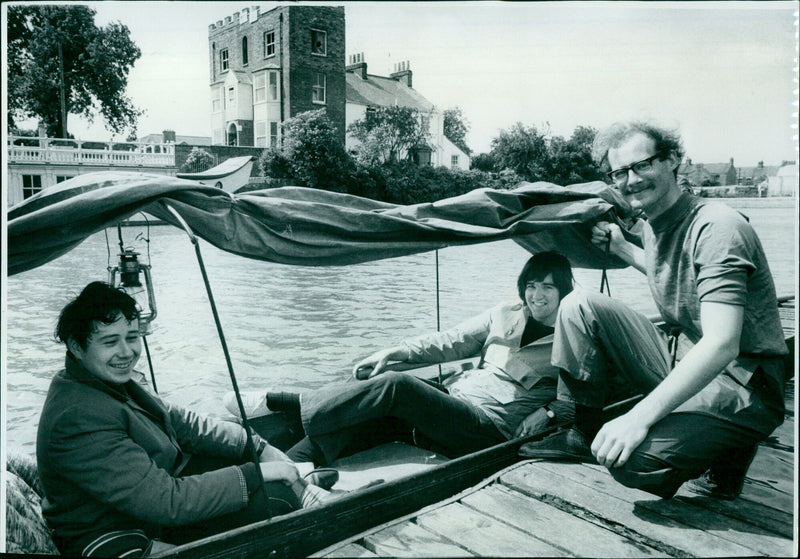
point(288, 327)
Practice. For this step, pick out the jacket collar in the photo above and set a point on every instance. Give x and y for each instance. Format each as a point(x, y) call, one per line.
point(73, 370)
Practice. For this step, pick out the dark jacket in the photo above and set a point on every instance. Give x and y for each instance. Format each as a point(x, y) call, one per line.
point(109, 458)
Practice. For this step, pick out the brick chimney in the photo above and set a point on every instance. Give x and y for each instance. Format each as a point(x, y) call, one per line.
point(168, 136)
point(357, 65)
point(402, 73)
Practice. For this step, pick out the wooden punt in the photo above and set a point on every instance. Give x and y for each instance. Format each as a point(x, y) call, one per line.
point(490, 503)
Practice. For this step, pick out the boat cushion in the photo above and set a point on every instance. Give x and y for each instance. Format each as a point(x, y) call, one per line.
point(26, 530)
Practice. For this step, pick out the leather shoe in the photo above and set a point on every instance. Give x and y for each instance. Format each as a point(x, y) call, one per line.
point(568, 444)
point(725, 479)
point(322, 477)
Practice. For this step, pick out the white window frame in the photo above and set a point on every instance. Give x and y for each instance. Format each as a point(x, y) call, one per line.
point(260, 131)
point(318, 90)
point(224, 61)
point(260, 87)
point(454, 161)
point(273, 85)
point(269, 45)
point(315, 34)
point(62, 178)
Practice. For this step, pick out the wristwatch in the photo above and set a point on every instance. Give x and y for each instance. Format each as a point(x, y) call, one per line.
point(550, 413)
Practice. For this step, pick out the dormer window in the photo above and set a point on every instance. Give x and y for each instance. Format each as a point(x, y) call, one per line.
point(223, 60)
point(319, 42)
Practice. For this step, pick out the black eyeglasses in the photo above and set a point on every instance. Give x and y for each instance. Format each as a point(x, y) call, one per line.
point(643, 167)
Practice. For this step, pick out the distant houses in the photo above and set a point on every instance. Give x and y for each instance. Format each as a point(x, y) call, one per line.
point(268, 66)
point(709, 178)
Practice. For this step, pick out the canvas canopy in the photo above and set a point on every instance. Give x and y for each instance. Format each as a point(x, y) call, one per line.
point(310, 227)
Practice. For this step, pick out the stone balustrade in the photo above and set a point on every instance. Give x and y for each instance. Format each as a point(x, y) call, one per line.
point(81, 152)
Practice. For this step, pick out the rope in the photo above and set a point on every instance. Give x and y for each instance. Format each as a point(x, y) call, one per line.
point(604, 285)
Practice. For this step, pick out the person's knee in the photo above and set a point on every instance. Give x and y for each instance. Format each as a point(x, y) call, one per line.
point(649, 473)
point(579, 304)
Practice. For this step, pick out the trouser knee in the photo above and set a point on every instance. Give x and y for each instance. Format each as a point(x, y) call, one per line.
point(650, 474)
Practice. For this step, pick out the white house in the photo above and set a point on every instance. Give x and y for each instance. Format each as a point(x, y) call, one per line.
point(784, 182)
point(365, 90)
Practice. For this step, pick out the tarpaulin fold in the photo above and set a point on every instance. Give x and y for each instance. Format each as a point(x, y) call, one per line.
point(310, 227)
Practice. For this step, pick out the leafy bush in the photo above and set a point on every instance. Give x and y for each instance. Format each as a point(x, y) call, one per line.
point(273, 164)
point(199, 160)
point(314, 152)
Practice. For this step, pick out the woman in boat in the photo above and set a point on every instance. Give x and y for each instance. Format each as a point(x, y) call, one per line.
point(510, 394)
point(120, 466)
point(709, 275)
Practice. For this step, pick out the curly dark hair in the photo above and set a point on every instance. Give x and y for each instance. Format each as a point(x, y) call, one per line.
point(99, 302)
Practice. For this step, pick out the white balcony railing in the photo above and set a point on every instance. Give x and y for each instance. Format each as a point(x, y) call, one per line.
point(72, 152)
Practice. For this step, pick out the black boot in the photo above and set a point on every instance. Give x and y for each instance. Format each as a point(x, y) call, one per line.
point(569, 444)
point(725, 478)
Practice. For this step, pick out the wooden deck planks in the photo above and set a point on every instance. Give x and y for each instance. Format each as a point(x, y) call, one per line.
point(584, 497)
point(483, 535)
point(351, 550)
point(692, 518)
point(410, 540)
point(570, 533)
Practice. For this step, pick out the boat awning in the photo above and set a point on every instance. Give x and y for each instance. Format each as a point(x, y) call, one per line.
point(310, 227)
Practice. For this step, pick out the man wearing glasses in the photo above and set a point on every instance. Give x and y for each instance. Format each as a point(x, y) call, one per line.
point(709, 276)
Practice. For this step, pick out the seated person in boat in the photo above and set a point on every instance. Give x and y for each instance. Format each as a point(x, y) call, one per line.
point(510, 394)
point(709, 276)
point(120, 466)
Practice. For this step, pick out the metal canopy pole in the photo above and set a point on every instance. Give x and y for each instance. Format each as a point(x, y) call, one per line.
point(251, 447)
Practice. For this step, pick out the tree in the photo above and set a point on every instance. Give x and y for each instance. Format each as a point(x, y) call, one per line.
point(483, 162)
point(314, 152)
point(198, 160)
point(60, 62)
point(388, 134)
point(570, 161)
point(523, 150)
point(456, 127)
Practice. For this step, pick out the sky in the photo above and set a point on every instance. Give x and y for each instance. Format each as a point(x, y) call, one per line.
point(723, 72)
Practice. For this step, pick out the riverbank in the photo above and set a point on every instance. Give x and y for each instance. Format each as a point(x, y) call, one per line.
point(772, 202)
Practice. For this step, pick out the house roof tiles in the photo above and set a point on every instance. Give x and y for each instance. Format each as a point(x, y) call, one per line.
point(383, 92)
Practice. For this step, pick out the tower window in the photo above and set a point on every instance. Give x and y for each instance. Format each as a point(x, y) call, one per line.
point(319, 42)
point(244, 51)
point(223, 60)
point(269, 43)
point(318, 89)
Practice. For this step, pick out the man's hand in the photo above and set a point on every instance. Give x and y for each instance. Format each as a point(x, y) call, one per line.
point(534, 423)
point(603, 230)
point(272, 454)
point(279, 471)
point(617, 439)
point(619, 247)
point(375, 364)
